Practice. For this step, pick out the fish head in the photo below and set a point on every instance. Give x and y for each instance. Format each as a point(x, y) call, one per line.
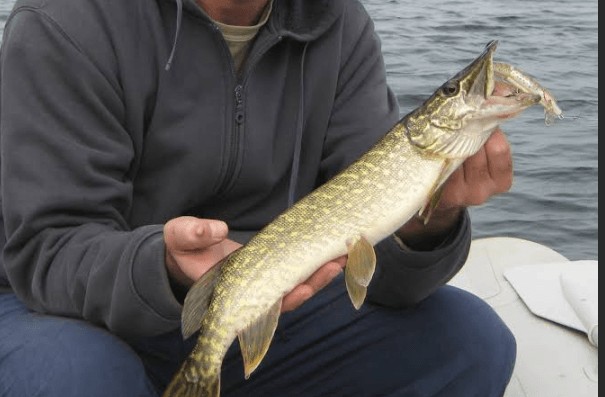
point(459, 117)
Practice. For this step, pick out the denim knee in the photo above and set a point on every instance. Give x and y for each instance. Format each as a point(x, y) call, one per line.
point(451, 344)
point(52, 356)
point(487, 347)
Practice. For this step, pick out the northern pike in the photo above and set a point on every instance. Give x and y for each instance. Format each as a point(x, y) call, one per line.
point(366, 202)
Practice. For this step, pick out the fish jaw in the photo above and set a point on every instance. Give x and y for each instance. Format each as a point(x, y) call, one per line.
point(461, 115)
point(496, 108)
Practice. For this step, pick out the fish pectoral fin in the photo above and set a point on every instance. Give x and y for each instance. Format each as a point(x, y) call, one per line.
point(197, 301)
point(254, 340)
point(436, 192)
point(359, 269)
point(426, 211)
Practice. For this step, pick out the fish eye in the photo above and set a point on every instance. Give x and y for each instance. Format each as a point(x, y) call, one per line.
point(450, 88)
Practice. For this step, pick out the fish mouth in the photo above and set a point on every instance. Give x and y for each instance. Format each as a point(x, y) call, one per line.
point(461, 115)
point(507, 107)
point(499, 100)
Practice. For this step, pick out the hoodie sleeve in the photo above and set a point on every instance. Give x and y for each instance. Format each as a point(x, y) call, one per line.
point(364, 109)
point(66, 188)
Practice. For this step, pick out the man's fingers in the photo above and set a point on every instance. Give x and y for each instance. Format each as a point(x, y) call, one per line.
point(488, 172)
point(500, 162)
point(296, 297)
point(475, 168)
point(324, 275)
point(189, 233)
point(454, 190)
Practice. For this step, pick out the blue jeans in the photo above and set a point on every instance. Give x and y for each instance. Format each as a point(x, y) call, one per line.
point(451, 344)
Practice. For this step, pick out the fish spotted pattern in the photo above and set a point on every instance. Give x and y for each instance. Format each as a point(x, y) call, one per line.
point(368, 201)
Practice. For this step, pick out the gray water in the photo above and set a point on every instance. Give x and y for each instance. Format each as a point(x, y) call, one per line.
point(554, 199)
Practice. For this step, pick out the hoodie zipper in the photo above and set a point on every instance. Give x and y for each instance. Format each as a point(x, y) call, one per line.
point(237, 101)
point(239, 114)
point(238, 130)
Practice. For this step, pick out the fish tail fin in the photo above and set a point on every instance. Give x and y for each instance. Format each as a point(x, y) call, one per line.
point(184, 384)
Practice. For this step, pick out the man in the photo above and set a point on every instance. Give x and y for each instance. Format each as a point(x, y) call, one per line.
point(142, 141)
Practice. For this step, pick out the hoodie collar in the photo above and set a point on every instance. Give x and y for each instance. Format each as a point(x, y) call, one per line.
point(302, 20)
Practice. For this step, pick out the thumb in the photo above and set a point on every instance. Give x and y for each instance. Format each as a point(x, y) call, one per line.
point(188, 233)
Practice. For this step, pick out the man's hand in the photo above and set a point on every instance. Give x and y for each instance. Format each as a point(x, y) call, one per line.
point(481, 176)
point(194, 245)
point(487, 173)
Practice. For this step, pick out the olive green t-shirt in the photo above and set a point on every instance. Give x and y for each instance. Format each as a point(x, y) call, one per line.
point(239, 38)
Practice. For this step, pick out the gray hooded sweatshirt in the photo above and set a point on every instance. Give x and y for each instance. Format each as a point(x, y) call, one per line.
point(116, 116)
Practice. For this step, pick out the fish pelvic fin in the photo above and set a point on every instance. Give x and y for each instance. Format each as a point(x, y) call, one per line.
point(184, 384)
point(254, 340)
point(359, 269)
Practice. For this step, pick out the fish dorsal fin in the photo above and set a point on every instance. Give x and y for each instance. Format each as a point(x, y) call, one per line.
point(254, 340)
point(197, 300)
point(361, 263)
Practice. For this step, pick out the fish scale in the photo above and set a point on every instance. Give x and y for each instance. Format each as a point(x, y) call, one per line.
point(325, 234)
point(368, 201)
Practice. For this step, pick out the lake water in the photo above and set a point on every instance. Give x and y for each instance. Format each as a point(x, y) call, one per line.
point(554, 199)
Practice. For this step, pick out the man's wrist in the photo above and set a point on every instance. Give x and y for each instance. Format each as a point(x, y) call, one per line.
point(415, 235)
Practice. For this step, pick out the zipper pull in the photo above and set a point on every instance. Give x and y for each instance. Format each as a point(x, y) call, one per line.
point(239, 104)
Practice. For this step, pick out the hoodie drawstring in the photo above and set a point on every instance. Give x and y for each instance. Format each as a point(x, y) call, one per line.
point(179, 17)
point(299, 132)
